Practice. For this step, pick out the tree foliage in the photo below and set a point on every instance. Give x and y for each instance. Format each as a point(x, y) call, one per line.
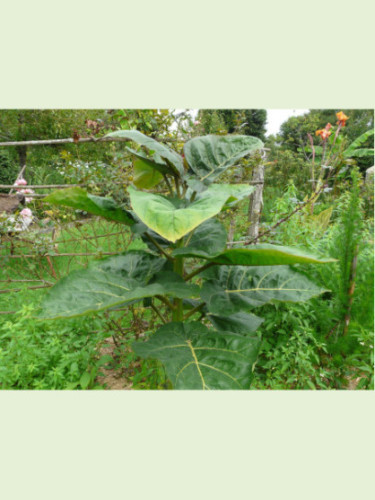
point(245, 121)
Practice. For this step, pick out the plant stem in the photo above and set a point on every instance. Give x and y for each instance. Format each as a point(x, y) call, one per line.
point(199, 270)
point(176, 180)
point(195, 310)
point(193, 196)
point(168, 184)
point(158, 313)
point(161, 250)
point(166, 302)
point(178, 268)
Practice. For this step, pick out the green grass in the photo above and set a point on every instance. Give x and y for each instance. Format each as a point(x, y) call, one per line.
point(64, 354)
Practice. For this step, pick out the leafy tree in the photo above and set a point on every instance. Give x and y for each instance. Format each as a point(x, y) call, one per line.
point(8, 169)
point(245, 121)
point(24, 125)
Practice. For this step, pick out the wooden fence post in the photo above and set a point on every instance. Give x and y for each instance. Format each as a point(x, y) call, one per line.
point(256, 199)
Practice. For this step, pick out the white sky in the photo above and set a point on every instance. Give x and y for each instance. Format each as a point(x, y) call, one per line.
point(275, 117)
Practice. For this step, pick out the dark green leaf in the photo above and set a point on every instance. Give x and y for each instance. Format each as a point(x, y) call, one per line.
point(173, 284)
point(79, 199)
point(208, 239)
point(256, 255)
point(174, 160)
point(136, 264)
point(233, 289)
point(241, 322)
point(198, 358)
point(111, 282)
point(209, 156)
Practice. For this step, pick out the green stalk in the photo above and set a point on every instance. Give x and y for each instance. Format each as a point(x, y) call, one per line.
point(178, 267)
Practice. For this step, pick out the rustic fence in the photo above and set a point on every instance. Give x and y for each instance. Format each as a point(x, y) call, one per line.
point(40, 256)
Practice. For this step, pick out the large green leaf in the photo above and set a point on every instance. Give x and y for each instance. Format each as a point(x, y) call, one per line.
point(173, 218)
point(145, 176)
point(257, 255)
point(174, 285)
point(111, 282)
point(362, 153)
point(198, 358)
point(352, 150)
point(79, 199)
point(137, 264)
point(209, 156)
point(241, 322)
point(231, 289)
point(173, 159)
point(208, 239)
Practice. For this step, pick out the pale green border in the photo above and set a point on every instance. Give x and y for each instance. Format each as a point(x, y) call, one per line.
point(147, 445)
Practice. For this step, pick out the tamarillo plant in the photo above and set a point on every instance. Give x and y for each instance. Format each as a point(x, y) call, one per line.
point(218, 349)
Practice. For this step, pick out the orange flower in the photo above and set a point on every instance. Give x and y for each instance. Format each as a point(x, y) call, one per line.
point(342, 118)
point(324, 132)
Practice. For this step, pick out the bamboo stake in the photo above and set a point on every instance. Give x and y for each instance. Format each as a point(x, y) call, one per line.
point(52, 186)
point(50, 142)
point(31, 256)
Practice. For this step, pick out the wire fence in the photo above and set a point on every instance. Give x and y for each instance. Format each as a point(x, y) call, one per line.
point(38, 257)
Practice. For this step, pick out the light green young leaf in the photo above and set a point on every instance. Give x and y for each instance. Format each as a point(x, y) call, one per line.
point(234, 193)
point(145, 176)
point(197, 358)
point(155, 161)
point(173, 219)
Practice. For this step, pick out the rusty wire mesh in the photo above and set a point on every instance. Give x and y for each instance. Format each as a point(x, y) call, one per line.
point(37, 258)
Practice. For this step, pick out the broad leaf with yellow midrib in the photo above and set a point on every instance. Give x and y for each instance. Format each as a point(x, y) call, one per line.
point(230, 289)
point(211, 155)
point(198, 358)
point(110, 282)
